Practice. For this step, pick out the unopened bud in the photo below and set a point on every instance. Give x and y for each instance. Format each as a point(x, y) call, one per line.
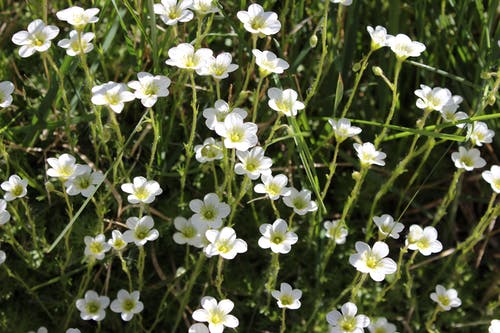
point(377, 71)
point(356, 67)
point(313, 41)
point(356, 175)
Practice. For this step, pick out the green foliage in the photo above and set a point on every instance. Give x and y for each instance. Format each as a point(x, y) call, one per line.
point(331, 69)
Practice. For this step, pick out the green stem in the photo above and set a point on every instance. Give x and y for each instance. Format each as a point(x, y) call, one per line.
point(395, 100)
point(220, 277)
point(126, 270)
point(256, 100)
point(331, 171)
point(189, 146)
point(324, 53)
point(430, 322)
point(359, 75)
point(357, 287)
point(283, 326)
point(249, 72)
point(140, 266)
point(448, 198)
point(354, 193)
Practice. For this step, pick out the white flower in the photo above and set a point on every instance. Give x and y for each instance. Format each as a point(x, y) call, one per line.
point(210, 150)
point(381, 325)
point(493, 177)
point(342, 2)
point(224, 243)
point(141, 230)
point(210, 211)
point(74, 45)
point(273, 187)
point(218, 114)
point(277, 237)
point(73, 330)
point(342, 129)
point(204, 7)
point(78, 17)
point(433, 98)
point(218, 67)
point(62, 167)
point(189, 233)
point(236, 133)
point(116, 241)
point(14, 188)
point(149, 88)
point(6, 90)
point(495, 323)
point(198, 328)
point(259, 22)
point(368, 155)
point(92, 306)
point(373, 260)
point(253, 163)
point(478, 133)
point(36, 39)
point(287, 297)
point(450, 114)
point(113, 95)
point(216, 314)
point(468, 159)
point(3, 257)
point(335, 231)
point(184, 56)
point(41, 329)
point(172, 11)
point(387, 226)
point(404, 47)
point(423, 240)
point(347, 321)
point(96, 246)
point(284, 101)
point(127, 304)
point(446, 299)
point(300, 201)
point(4, 213)
point(142, 190)
point(83, 181)
point(268, 62)
point(379, 36)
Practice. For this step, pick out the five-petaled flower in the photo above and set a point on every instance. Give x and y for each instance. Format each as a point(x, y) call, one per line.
point(468, 159)
point(423, 240)
point(287, 297)
point(259, 22)
point(36, 39)
point(142, 190)
point(127, 304)
point(149, 88)
point(224, 243)
point(92, 306)
point(78, 17)
point(6, 90)
point(140, 230)
point(373, 260)
point(446, 298)
point(15, 187)
point(277, 237)
point(492, 176)
point(284, 101)
point(368, 155)
point(347, 321)
point(112, 94)
point(216, 314)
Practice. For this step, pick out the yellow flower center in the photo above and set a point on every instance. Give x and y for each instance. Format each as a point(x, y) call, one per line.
point(371, 261)
point(112, 98)
point(467, 161)
point(273, 189)
point(128, 305)
point(277, 239)
point(96, 247)
point(445, 300)
point(92, 307)
point(223, 247)
point(141, 193)
point(141, 232)
point(286, 299)
point(423, 243)
point(208, 212)
point(189, 232)
point(118, 243)
point(299, 203)
point(257, 23)
point(236, 136)
point(347, 324)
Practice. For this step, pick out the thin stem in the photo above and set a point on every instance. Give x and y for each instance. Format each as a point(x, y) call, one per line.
point(220, 277)
point(324, 53)
point(359, 75)
point(354, 193)
point(256, 100)
point(450, 195)
point(331, 171)
point(249, 72)
point(189, 146)
point(140, 266)
point(283, 326)
point(430, 322)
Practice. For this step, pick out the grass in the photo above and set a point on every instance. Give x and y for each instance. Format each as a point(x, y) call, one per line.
point(328, 50)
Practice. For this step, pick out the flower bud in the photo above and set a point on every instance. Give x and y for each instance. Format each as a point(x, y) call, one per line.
point(313, 41)
point(377, 71)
